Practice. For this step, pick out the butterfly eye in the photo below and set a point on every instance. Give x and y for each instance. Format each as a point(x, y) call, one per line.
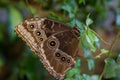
point(38, 33)
point(31, 26)
point(68, 61)
point(41, 39)
point(63, 58)
point(52, 43)
point(57, 54)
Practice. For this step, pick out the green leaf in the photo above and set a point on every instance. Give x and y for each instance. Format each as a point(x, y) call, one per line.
point(90, 44)
point(70, 9)
point(87, 52)
point(86, 77)
point(90, 40)
point(95, 77)
point(78, 77)
point(67, 8)
point(118, 59)
point(95, 40)
point(71, 15)
point(89, 21)
point(72, 72)
point(87, 43)
point(80, 25)
point(91, 35)
point(78, 63)
point(118, 18)
point(117, 70)
point(91, 64)
point(104, 51)
point(81, 1)
point(84, 41)
point(55, 16)
point(110, 68)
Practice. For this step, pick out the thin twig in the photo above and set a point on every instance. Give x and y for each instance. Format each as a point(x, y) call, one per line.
point(100, 37)
point(113, 44)
point(110, 52)
point(98, 56)
point(100, 78)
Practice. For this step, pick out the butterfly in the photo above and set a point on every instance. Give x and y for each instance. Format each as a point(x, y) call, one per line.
point(54, 42)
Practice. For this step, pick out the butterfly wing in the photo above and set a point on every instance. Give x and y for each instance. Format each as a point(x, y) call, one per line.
point(60, 47)
point(54, 42)
point(60, 51)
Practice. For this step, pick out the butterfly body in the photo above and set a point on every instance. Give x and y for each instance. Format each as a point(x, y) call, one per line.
point(54, 42)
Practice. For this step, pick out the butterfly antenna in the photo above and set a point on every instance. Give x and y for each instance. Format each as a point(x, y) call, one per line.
point(76, 21)
point(76, 25)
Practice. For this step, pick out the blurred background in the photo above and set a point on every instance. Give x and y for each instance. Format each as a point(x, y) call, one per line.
point(18, 62)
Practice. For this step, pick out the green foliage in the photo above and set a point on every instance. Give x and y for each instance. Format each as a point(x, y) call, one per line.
point(55, 16)
point(26, 66)
point(1, 61)
point(88, 37)
point(102, 51)
point(112, 67)
point(15, 18)
point(70, 7)
point(78, 23)
point(73, 72)
point(118, 59)
point(88, 21)
point(91, 64)
point(118, 18)
point(81, 1)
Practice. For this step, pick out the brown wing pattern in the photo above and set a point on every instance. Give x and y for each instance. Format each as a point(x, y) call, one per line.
point(54, 42)
point(51, 27)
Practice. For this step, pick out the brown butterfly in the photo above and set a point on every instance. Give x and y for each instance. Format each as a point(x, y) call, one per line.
point(54, 42)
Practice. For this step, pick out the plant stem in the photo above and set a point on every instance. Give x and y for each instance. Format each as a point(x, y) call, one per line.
point(98, 56)
point(100, 37)
point(100, 78)
point(112, 45)
point(110, 52)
